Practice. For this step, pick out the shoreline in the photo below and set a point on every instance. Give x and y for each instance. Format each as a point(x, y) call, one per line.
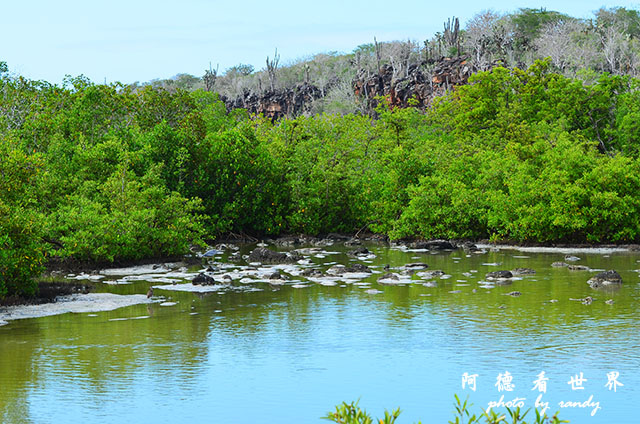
point(49, 291)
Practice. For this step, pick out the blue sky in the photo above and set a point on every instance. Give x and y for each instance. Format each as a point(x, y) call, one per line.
point(134, 40)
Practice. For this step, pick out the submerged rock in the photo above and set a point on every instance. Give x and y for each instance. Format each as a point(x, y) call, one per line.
point(389, 278)
point(559, 264)
point(431, 274)
point(236, 257)
point(276, 276)
point(353, 242)
point(494, 275)
point(470, 247)
point(432, 245)
point(605, 279)
point(358, 268)
point(523, 271)
point(203, 279)
point(337, 270)
point(416, 266)
point(360, 251)
point(312, 272)
point(267, 256)
point(578, 268)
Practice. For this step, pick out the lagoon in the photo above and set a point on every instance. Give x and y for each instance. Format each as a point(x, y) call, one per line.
point(256, 349)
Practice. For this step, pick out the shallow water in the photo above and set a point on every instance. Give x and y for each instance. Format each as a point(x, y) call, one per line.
point(260, 352)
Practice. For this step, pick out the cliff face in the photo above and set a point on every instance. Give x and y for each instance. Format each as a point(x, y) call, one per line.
point(278, 104)
point(417, 83)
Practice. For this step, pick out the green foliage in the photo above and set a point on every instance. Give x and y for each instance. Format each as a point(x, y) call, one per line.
point(21, 252)
point(135, 217)
point(106, 173)
point(351, 413)
point(528, 23)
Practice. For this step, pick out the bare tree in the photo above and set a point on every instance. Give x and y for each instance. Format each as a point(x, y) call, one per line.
point(479, 37)
point(556, 40)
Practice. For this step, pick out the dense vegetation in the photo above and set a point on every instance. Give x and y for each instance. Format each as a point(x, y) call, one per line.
point(112, 172)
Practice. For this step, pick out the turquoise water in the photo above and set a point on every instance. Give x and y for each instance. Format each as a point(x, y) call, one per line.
point(290, 355)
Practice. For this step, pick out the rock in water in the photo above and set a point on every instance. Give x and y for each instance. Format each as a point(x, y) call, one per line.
point(578, 268)
point(432, 245)
point(266, 256)
point(605, 279)
point(358, 268)
point(523, 271)
point(359, 252)
point(203, 279)
point(494, 275)
point(416, 266)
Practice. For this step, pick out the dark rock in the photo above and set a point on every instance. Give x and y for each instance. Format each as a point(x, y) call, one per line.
point(523, 271)
point(605, 279)
point(295, 256)
point(211, 268)
point(578, 268)
point(337, 270)
point(432, 245)
point(377, 238)
point(353, 242)
point(275, 276)
point(203, 279)
point(432, 274)
point(312, 272)
point(514, 293)
point(360, 251)
point(498, 274)
point(389, 276)
point(276, 104)
point(236, 257)
point(337, 237)
point(417, 83)
point(416, 266)
point(192, 260)
point(469, 247)
point(357, 268)
point(267, 256)
point(290, 241)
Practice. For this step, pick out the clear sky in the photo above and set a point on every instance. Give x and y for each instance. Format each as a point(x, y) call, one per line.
point(139, 40)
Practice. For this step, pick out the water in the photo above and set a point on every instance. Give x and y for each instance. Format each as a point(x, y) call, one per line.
point(290, 355)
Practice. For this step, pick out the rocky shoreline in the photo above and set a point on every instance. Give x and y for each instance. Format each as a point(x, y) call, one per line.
point(52, 284)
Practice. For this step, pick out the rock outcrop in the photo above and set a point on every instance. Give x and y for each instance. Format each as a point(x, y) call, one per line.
point(605, 279)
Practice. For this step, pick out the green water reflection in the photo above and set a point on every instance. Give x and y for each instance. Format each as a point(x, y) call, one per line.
point(290, 354)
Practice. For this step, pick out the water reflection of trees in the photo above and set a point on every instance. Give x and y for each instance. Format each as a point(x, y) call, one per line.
point(103, 356)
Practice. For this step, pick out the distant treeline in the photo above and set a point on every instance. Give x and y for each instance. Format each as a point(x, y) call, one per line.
point(582, 48)
point(104, 172)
